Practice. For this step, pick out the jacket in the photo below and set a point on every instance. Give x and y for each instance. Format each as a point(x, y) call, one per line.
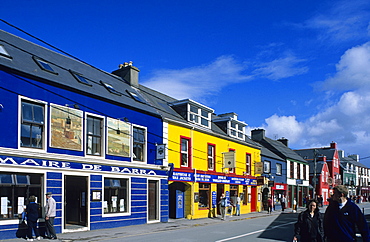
point(32, 211)
point(50, 207)
point(309, 228)
point(340, 224)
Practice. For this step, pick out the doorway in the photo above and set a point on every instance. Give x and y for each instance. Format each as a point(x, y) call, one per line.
point(220, 190)
point(153, 201)
point(75, 201)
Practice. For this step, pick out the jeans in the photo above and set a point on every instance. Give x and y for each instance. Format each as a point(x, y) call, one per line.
point(50, 231)
point(237, 212)
point(32, 225)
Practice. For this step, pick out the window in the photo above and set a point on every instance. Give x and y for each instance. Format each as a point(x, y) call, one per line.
point(232, 170)
point(44, 65)
point(80, 78)
point(32, 125)
point(233, 193)
point(304, 172)
point(139, 144)
point(116, 195)
point(136, 96)
point(211, 157)
point(298, 171)
point(3, 52)
point(110, 88)
point(204, 189)
point(247, 195)
point(248, 161)
point(279, 169)
point(236, 129)
point(15, 189)
point(291, 169)
point(185, 152)
point(199, 116)
point(94, 136)
point(266, 167)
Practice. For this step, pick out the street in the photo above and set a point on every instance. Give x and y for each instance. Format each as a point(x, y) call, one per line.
point(258, 226)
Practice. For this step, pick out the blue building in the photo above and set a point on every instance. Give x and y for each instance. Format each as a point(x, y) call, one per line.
point(85, 135)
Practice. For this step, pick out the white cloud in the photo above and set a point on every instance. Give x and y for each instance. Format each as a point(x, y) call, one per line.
point(284, 67)
point(200, 81)
point(353, 70)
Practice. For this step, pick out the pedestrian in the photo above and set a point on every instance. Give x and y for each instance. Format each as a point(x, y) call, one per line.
point(50, 213)
point(294, 205)
point(342, 216)
point(223, 204)
point(269, 205)
point(320, 200)
point(32, 214)
point(238, 201)
point(309, 226)
point(283, 202)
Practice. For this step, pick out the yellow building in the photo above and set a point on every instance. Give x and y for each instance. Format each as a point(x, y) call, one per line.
point(209, 155)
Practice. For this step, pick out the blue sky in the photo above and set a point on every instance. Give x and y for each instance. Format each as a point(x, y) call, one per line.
point(299, 69)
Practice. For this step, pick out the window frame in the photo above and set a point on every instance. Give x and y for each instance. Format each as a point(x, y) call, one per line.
point(248, 163)
point(80, 78)
point(199, 116)
point(110, 88)
point(211, 156)
point(266, 166)
point(4, 52)
point(102, 134)
point(279, 171)
point(233, 170)
point(208, 192)
point(128, 195)
point(145, 146)
point(22, 99)
point(40, 62)
point(187, 152)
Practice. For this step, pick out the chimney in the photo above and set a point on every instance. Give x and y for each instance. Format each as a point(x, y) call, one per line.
point(355, 157)
point(333, 145)
point(128, 73)
point(341, 153)
point(258, 134)
point(284, 141)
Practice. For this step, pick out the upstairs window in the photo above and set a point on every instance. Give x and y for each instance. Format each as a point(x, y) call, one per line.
point(185, 152)
point(236, 129)
point(279, 169)
point(211, 157)
point(248, 161)
point(44, 65)
point(32, 125)
point(94, 136)
point(4, 53)
point(80, 78)
point(139, 144)
point(110, 88)
point(136, 96)
point(266, 167)
point(194, 112)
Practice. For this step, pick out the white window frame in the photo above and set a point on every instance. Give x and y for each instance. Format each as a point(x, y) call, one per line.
point(212, 156)
point(196, 117)
point(103, 135)
point(46, 121)
point(128, 213)
point(145, 148)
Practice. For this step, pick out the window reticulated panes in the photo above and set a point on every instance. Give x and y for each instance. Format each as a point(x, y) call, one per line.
point(266, 167)
point(32, 125)
point(199, 116)
point(115, 195)
point(15, 189)
point(94, 136)
point(204, 192)
point(211, 157)
point(139, 144)
point(185, 152)
point(279, 169)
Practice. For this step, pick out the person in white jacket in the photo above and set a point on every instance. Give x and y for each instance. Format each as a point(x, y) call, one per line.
point(50, 213)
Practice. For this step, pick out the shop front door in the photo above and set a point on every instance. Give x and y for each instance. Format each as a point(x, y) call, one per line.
point(75, 200)
point(153, 201)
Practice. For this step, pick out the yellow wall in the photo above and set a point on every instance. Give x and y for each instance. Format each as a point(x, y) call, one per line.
point(199, 142)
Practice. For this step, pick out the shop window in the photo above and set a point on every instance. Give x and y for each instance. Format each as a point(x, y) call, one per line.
point(139, 144)
point(15, 189)
point(32, 125)
point(115, 195)
point(211, 157)
point(248, 162)
point(245, 192)
point(185, 152)
point(233, 193)
point(204, 191)
point(94, 136)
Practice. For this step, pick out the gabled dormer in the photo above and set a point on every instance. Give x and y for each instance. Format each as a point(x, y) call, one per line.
point(194, 112)
point(230, 124)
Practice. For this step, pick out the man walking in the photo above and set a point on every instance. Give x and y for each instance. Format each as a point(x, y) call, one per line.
point(50, 213)
point(342, 216)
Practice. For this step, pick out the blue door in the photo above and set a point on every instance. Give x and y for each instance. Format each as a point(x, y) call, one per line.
point(179, 204)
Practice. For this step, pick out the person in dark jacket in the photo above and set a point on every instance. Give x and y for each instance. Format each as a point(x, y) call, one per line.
point(342, 216)
point(32, 211)
point(310, 224)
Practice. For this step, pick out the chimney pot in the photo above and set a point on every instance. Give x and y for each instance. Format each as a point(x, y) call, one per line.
point(129, 73)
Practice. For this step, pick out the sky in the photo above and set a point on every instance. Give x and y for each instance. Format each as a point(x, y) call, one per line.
point(298, 69)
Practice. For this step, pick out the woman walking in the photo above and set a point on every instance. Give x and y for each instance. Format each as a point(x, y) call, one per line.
point(310, 224)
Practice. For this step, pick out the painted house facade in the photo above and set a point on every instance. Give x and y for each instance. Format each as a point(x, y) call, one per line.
point(81, 133)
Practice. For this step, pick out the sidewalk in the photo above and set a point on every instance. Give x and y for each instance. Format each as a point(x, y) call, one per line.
point(172, 224)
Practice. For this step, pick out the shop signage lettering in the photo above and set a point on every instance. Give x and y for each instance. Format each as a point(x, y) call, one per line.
point(76, 166)
point(186, 176)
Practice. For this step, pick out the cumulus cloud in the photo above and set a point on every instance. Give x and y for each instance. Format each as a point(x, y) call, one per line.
point(200, 81)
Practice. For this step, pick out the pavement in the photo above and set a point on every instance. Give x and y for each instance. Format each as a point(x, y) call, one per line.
point(172, 224)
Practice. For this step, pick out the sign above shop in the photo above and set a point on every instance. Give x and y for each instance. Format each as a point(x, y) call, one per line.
point(190, 177)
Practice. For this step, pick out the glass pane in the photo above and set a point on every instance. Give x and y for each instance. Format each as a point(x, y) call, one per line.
point(96, 146)
point(90, 125)
point(233, 125)
point(97, 127)
point(138, 151)
point(38, 114)
point(184, 159)
point(193, 109)
point(184, 145)
point(204, 113)
point(116, 183)
point(204, 122)
point(45, 66)
point(36, 132)
point(3, 51)
point(27, 112)
point(6, 179)
point(25, 135)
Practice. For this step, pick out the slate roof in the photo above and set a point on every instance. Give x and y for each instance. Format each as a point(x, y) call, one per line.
point(308, 154)
point(22, 63)
point(269, 154)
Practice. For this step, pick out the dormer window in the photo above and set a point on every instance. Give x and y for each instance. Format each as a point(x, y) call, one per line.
point(194, 112)
point(230, 124)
